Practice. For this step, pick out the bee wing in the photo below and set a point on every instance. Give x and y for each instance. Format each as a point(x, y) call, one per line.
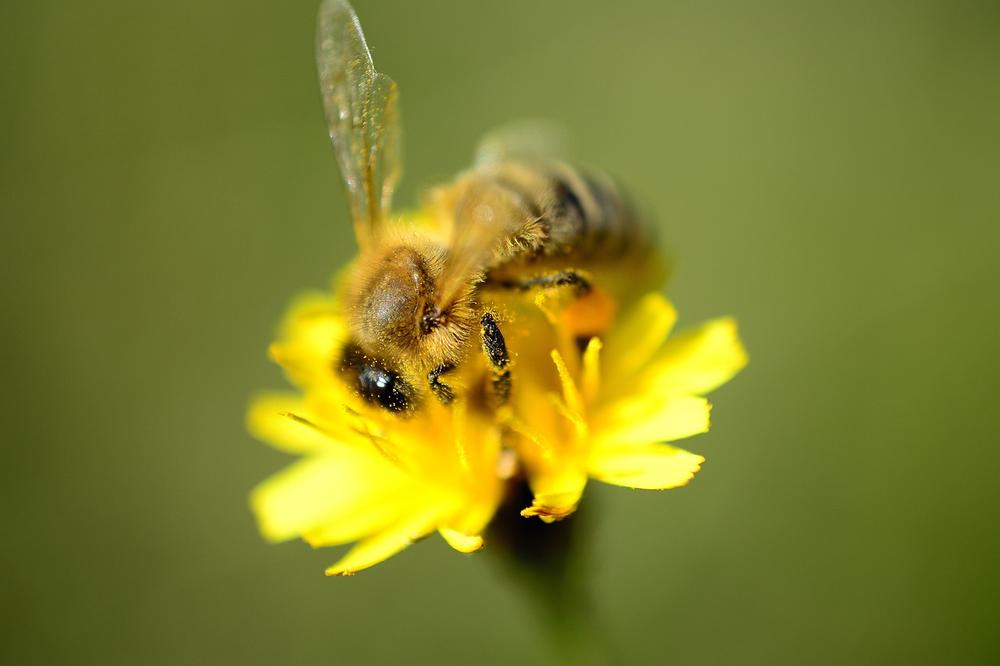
point(534, 140)
point(489, 223)
point(362, 116)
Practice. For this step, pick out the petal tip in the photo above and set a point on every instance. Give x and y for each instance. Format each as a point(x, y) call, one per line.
point(548, 514)
point(332, 572)
point(463, 543)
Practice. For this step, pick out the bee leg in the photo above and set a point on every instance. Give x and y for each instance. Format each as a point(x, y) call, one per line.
point(440, 389)
point(578, 282)
point(496, 351)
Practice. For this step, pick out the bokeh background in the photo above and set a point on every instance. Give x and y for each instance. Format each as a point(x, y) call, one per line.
point(827, 172)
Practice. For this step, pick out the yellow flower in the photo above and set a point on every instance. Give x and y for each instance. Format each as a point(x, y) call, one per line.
point(366, 475)
point(608, 412)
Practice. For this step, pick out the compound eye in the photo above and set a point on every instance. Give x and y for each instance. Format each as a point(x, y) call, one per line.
point(383, 387)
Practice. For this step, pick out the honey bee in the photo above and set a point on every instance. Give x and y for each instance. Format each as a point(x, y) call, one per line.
point(418, 302)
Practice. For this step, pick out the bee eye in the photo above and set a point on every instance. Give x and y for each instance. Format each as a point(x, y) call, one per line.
point(375, 383)
point(380, 386)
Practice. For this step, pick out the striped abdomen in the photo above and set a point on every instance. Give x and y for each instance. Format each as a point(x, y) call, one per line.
point(564, 212)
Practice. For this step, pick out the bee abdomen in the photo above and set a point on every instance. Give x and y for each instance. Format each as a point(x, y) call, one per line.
point(579, 214)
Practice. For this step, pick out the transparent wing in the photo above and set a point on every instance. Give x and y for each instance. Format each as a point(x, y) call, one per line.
point(474, 238)
point(529, 140)
point(490, 223)
point(362, 115)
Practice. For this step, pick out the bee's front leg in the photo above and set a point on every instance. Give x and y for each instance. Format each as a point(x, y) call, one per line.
point(443, 392)
point(496, 350)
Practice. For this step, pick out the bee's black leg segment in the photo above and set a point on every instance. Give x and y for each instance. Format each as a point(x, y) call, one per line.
point(496, 350)
point(493, 342)
point(441, 390)
point(572, 279)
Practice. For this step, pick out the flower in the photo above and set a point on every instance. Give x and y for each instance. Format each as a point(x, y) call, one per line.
point(365, 475)
point(608, 411)
point(582, 407)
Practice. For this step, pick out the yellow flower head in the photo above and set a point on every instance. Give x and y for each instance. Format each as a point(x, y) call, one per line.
point(603, 409)
point(560, 392)
point(366, 475)
point(610, 409)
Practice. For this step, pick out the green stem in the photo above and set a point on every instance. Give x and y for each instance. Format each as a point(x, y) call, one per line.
point(548, 562)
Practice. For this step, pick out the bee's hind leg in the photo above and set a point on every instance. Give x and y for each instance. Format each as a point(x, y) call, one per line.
point(580, 284)
point(496, 350)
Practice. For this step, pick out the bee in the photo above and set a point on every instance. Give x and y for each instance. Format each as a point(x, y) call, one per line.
point(418, 299)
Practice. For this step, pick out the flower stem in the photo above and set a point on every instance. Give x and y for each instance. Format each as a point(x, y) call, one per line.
point(549, 565)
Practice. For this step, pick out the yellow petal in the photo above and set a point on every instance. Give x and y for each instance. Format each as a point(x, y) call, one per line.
point(699, 360)
point(647, 466)
point(370, 513)
point(474, 514)
point(317, 491)
point(550, 508)
point(634, 342)
point(463, 543)
point(557, 493)
point(268, 419)
point(310, 339)
point(648, 418)
point(386, 543)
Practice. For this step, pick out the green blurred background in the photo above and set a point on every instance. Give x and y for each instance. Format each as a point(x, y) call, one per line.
point(827, 172)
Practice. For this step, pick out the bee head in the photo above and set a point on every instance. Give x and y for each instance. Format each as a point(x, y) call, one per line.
point(395, 315)
point(390, 301)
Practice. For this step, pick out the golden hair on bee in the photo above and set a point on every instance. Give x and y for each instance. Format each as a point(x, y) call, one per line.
point(394, 304)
